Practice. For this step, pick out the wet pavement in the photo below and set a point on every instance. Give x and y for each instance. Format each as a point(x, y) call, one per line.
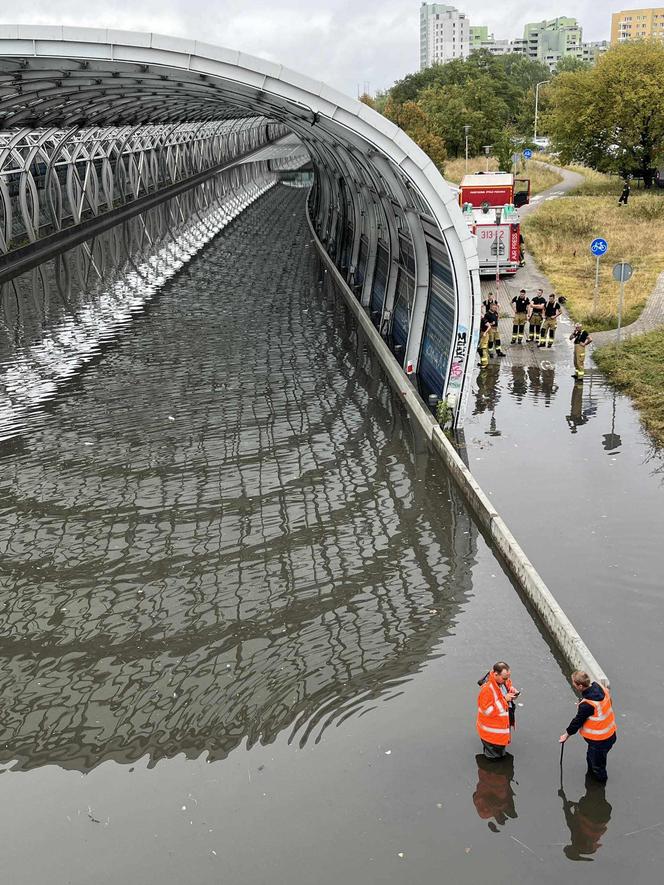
point(245, 612)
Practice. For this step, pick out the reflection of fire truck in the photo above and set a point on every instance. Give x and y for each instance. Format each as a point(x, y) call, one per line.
point(490, 201)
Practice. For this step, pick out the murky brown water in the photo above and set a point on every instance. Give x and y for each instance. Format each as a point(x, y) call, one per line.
point(245, 612)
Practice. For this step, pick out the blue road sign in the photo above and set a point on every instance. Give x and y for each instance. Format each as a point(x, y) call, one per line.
point(527, 153)
point(599, 247)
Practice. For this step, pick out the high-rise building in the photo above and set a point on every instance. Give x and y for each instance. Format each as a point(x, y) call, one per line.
point(444, 34)
point(479, 34)
point(637, 24)
point(546, 41)
point(549, 41)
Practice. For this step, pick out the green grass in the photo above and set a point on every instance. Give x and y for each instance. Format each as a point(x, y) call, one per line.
point(637, 368)
point(559, 235)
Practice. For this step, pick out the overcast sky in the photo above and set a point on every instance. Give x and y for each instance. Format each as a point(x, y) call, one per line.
point(345, 43)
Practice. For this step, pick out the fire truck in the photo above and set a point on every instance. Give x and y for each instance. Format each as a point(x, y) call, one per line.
point(490, 203)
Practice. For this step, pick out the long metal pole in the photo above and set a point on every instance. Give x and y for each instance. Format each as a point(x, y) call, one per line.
point(596, 292)
point(466, 152)
point(620, 302)
point(536, 100)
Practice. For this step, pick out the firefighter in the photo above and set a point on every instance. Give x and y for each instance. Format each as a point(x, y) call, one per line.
point(624, 196)
point(552, 311)
point(595, 721)
point(521, 303)
point(587, 820)
point(492, 312)
point(581, 340)
point(536, 317)
point(483, 347)
point(495, 710)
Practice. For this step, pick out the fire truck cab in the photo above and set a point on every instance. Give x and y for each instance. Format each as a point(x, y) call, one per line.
point(490, 203)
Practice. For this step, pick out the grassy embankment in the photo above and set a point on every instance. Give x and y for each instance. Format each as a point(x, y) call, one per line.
point(559, 235)
point(540, 177)
point(637, 368)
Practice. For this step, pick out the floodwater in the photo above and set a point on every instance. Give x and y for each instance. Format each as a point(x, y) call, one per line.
point(245, 613)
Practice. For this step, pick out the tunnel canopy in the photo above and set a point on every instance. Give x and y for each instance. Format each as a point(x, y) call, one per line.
point(379, 206)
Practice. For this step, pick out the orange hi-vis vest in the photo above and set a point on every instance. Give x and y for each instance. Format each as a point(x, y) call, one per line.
point(602, 724)
point(493, 718)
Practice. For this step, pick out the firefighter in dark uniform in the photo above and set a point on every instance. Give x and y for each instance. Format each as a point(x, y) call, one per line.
point(536, 317)
point(581, 340)
point(521, 303)
point(492, 312)
point(552, 311)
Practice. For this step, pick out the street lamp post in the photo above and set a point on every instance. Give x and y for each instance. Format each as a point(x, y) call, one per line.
point(537, 86)
point(467, 130)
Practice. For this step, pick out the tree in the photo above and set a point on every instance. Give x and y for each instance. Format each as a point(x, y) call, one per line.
point(410, 117)
point(611, 116)
point(569, 63)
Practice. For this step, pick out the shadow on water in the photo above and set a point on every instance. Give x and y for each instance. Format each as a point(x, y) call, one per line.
point(227, 530)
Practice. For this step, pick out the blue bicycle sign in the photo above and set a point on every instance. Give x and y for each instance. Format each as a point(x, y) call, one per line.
point(527, 153)
point(599, 247)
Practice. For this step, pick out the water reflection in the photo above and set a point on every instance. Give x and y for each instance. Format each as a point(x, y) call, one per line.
point(487, 396)
point(222, 530)
point(612, 442)
point(494, 797)
point(587, 819)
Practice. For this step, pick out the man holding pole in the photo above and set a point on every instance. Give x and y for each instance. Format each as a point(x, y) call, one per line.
point(595, 721)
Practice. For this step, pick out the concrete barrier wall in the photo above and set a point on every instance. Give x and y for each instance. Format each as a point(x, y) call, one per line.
point(551, 616)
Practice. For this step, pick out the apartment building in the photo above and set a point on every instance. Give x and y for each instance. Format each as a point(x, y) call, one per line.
point(637, 24)
point(444, 34)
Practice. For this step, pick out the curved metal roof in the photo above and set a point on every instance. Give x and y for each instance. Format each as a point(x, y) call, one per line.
point(66, 77)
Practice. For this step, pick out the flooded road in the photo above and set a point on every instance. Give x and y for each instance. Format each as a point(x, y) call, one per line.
point(244, 615)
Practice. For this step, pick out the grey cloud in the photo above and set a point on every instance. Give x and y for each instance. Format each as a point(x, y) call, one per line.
point(343, 43)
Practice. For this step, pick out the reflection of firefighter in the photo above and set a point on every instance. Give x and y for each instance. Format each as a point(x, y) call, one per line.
point(587, 820)
point(519, 385)
point(535, 381)
point(552, 311)
point(487, 390)
point(494, 796)
point(549, 388)
point(577, 418)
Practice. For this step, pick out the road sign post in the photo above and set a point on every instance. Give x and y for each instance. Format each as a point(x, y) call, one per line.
point(621, 272)
point(598, 247)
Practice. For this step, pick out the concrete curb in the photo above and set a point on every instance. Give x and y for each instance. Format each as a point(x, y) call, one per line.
point(551, 616)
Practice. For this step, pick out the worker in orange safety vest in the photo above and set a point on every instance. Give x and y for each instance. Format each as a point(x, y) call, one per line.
point(494, 722)
point(595, 721)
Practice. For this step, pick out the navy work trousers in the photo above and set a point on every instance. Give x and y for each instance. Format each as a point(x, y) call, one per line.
point(596, 757)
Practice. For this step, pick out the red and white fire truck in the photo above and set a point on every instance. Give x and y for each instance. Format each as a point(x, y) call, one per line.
point(490, 203)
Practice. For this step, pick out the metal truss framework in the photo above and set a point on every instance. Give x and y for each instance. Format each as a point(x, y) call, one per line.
point(379, 205)
point(53, 178)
